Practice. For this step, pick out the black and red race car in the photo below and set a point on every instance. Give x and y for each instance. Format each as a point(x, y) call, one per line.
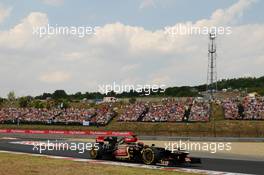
point(129, 149)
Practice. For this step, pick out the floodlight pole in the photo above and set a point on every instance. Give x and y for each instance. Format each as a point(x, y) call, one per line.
point(212, 73)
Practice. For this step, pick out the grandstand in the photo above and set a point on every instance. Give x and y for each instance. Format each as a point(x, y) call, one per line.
point(166, 110)
point(68, 116)
point(247, 108)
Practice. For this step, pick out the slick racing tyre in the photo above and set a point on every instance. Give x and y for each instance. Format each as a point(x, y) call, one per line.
point(96, 153)
point(149, 156)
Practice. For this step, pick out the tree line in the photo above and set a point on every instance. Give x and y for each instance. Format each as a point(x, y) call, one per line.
point(249, 84)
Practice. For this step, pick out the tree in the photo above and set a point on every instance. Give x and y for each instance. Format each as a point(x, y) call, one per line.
point(93, 95)
point(59, 94)
point(24, 101)
point(1, 101)
point(11, 96)
point(38, 104)
point(111, 94)
point(184, 91)
point(44, 96)
point(62, 103)
point(78, 96)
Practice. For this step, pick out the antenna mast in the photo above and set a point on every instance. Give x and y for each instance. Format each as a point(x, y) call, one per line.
point(212, 73)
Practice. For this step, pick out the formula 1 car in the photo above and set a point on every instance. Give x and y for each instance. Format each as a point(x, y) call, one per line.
point(129, 149)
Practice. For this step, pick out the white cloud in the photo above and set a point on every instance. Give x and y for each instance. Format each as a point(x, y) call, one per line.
point(227, 16)
point(20, 36)
point(55, 77)
point(124, 54)
point(4, 12)
point(53, 2)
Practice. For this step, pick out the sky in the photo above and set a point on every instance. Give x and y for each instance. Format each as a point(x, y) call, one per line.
point(130, 47)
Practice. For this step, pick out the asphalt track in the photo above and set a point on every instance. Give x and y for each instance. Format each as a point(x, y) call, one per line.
point(225, 165)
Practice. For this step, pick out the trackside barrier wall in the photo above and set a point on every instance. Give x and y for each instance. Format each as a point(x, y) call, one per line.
point(65, 132)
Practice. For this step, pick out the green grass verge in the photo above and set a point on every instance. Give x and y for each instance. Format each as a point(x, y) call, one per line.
point(13, 164)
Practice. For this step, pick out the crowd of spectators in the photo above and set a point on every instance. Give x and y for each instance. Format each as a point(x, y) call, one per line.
point(167, 111)
point(200, 111)
point(75, 115)
point(27, 114)
point(253, 108)
point(133, 112)
point(103, 115)
point(248, 108)
point(230, 109)
point(55, 115)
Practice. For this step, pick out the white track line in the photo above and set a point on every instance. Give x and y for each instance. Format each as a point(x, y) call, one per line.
point(8, 138)
point(104, 162)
